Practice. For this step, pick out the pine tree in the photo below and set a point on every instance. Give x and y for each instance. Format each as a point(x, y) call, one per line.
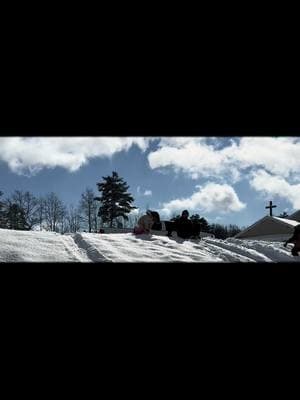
point(175, 218)
point(224, 231)
point(220, 231)
point(233, 230)
point(16, 217)
point(195, 218)
point(2, 213)
point(204, 226)
point(115, 200)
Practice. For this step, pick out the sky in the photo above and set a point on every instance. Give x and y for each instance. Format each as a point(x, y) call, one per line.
point(227, 180)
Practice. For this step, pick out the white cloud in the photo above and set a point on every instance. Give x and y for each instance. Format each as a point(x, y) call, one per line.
point(270, 185)
point(179, 141)
point(147, 192)
point(212, 197)
point(195, 158)
point(204, 157)
point(31, 154)
point(277, 155)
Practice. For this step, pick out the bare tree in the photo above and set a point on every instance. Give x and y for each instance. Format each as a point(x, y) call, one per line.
point(41, 211)
point(89, 208)
point(95, 218)
point(3, 221)
point(29, 204)
point(74, 219)
point(54, 211)
point(63, 220)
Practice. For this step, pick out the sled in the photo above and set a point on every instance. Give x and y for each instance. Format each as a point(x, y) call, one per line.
point(153, 232)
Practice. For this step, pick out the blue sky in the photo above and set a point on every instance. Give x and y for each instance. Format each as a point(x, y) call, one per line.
point(226, 180)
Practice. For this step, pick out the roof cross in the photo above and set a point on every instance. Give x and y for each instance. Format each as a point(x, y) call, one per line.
point(270, 207)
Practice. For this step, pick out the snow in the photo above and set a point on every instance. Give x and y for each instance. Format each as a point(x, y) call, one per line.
point(34, 246)
point(287, 221)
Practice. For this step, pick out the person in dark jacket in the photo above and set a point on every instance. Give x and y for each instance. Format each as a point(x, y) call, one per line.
point(296, 240)
point(157, 226)
point(185, 227)
point(196, 230)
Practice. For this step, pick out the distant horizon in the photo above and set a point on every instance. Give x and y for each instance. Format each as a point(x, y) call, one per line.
point(226, 180)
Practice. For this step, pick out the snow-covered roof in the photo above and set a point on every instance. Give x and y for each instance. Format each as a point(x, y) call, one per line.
point(282, 221)
point(287, 221)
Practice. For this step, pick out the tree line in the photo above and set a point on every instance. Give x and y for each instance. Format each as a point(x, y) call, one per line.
point(112, 208)
point(24, 211)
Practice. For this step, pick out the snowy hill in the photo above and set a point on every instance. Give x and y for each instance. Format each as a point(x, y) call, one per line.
point(21, 246)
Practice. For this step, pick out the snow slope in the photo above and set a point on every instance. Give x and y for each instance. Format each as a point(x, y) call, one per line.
point(20, 246)
point(33, 246)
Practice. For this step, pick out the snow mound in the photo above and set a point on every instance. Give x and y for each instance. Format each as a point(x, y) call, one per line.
point(34, 246)
point(126, 247)
point(21, 246)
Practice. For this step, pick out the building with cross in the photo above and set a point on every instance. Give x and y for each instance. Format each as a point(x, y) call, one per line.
point(271, 228)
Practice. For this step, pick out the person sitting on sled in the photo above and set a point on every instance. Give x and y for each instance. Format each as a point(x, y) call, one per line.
point(146, 222)
point(185, 227)
point(296, 240)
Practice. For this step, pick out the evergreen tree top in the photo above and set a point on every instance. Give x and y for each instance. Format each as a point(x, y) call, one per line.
point(115, 200)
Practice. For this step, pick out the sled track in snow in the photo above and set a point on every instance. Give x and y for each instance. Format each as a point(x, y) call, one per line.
point(264, 252)
point(74, 250)
point(245, 254)
point(22, 246)
point(92, 253)
point(274, 254)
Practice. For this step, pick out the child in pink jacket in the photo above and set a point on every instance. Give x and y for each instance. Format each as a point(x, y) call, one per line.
point(145, 223)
